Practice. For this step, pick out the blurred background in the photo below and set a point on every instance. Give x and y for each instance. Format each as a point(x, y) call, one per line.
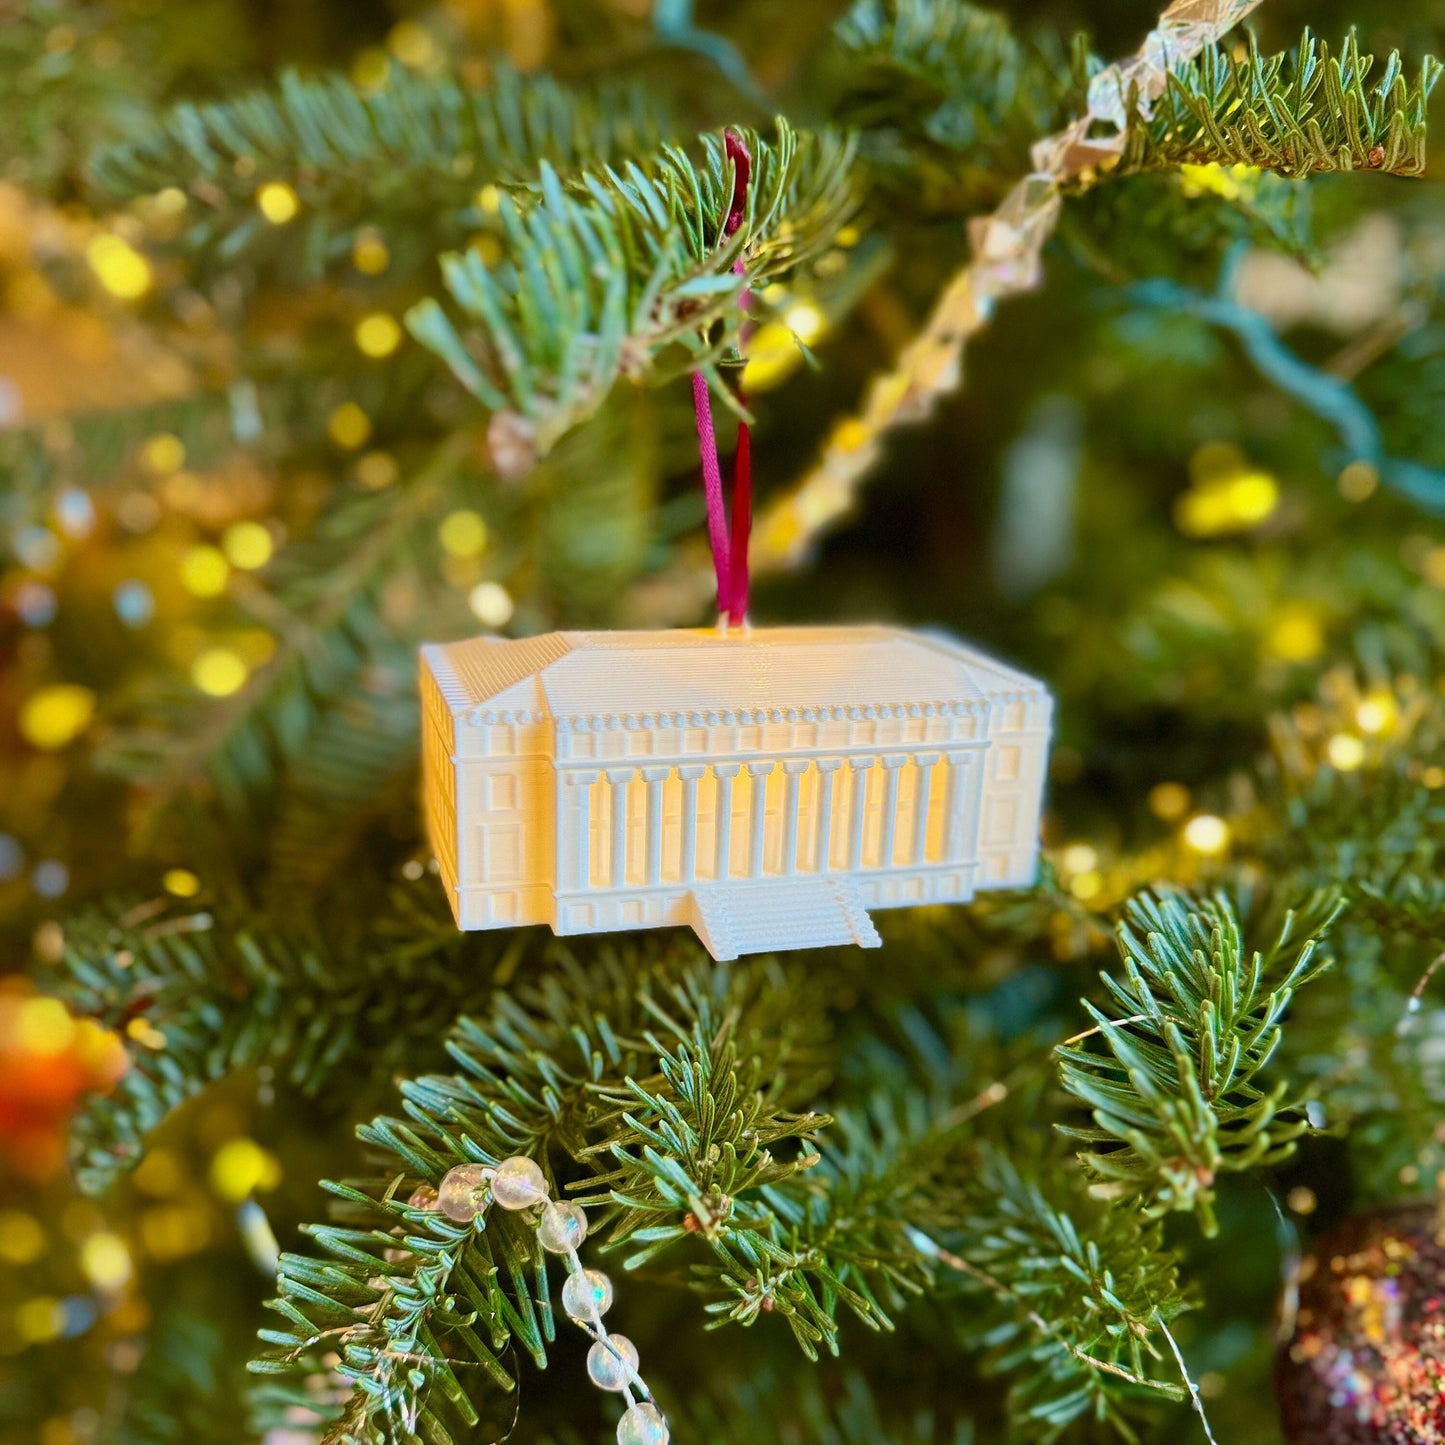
point(218, 443)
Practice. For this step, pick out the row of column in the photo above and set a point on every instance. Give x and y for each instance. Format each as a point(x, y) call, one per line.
point(863, 769)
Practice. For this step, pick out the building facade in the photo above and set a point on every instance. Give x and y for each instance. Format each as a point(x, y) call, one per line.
point(766, 788)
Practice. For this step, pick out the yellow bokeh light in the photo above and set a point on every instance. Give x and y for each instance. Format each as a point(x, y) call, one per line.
point(1079, 858)
point(1223, 503)
point(348, 426)
point(412, 44)
point(773, 356)
point(463, 534)
point(1207, 834)
point(22, 1239)
point(278, 202)
point(106, 1261)
point(376, 471)
point(1085, 886)
point(205, 571)
point(247, 545)
point(241, 1167)
point(1230, 183)
point(1358, 482)
point(120, 268)
point(145, 1033)
point(378, 335)
point(40, 1319)
point(805, 321)
point(489, 199)
point(162, 454)
point(371, 69)
point(1345, 751)
point(42, 1026)
point(1169, 801)
point(1432, 566)
point(1433, 776)
point(1294, 634)
point(181, 883)
point(56, 715)
point(491, 604)
point(1378, 713)
point(369, 254)
point(1253, 496)
point(219, 672)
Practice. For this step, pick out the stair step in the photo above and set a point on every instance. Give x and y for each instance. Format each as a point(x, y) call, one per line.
point(774, 914)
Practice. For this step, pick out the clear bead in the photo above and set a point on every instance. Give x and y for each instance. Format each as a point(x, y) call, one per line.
point(464, 1191)
point(519, 1183)
point(587, 1295)
point(562, 1227)
point(612, 1365)
point(642, 1425)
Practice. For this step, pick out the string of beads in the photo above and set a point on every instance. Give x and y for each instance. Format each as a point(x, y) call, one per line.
point(518, 1184)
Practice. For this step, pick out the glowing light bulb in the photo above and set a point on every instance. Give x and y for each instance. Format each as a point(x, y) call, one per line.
point(378, 335)
point(278, 202)
point(119, 267)
point(1207, 834)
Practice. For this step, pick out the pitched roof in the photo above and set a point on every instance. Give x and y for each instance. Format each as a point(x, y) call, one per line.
point(607, 675)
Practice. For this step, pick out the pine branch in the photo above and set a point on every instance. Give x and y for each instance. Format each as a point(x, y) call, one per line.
point(215, 993)
point(1295, 113)
point(621, 274)
point(420, 146)
point(1169, 1071)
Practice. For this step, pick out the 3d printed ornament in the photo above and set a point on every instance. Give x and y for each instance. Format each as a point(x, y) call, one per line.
point(764, 787)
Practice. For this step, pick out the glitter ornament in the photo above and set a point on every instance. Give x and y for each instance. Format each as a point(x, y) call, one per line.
point(612, 1364)
point(643, 1425)
point(587, 1295)
point(1366, 1362)
point(519, 1183)
point(464, 1191)
point(562, 1227)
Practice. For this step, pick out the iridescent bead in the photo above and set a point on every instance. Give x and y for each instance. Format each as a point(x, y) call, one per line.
point(519, 1183)
point(642, 1425)
point(464, 1191)
point(612, 1363)
point(587, 1295)
point(562, 1227)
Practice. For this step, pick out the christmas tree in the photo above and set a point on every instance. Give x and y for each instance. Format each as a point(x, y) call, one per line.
point(1111, 340)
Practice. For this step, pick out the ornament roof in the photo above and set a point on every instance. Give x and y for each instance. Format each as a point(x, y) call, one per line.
point(649, 678)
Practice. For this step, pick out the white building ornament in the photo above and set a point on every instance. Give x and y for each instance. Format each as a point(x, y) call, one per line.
point(766, 788)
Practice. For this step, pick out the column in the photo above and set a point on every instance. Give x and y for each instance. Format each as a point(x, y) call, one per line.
point(955, 843)
point(758, 818)
point(858, 811)
point(582, 819)
point(793, 770)
point(922, 797)
point(652, 843)
point(689, 773)
point(617, 870)
point(823, 854)
point(724, 773)
point(891, 764)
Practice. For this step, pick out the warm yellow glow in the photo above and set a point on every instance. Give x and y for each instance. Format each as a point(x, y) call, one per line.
point(377, 470)
point(1345, 751)
point(1231, 183)
point(371, 69)
point(1085, 886)
point(491, 604)
point(181, 883)
point(40, 1319)
point(1358, 482)
point(773, 356)
point(1433, 776)
point(278, 202)
point(805, 321)
point(22, 1240)
point(1206, 834)
point(369, 254)
point(121, 269)
point(1079, 858)
point(247, 545)
point(1378, 713)
point(378, 335)
point(241, 1167)
point(413, 45)
point(219, 672)
point(1433, 566)
point(348, 426)
point(143, 1032)
point(463, 534)
point(205, 571)
point(489, 199)
point(1227, 503)
point(1295, 634)
point(1169, 801)
point(56, 715)
point(42, 1026)
point(106, 1261)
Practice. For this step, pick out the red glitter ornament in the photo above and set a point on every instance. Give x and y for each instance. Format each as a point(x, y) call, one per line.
point(1366, 1362)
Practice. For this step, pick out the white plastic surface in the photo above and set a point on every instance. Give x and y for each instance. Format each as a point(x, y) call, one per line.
point(765, 788)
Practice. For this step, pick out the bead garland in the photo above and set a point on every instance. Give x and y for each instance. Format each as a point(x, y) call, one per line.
point(519, 1184)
